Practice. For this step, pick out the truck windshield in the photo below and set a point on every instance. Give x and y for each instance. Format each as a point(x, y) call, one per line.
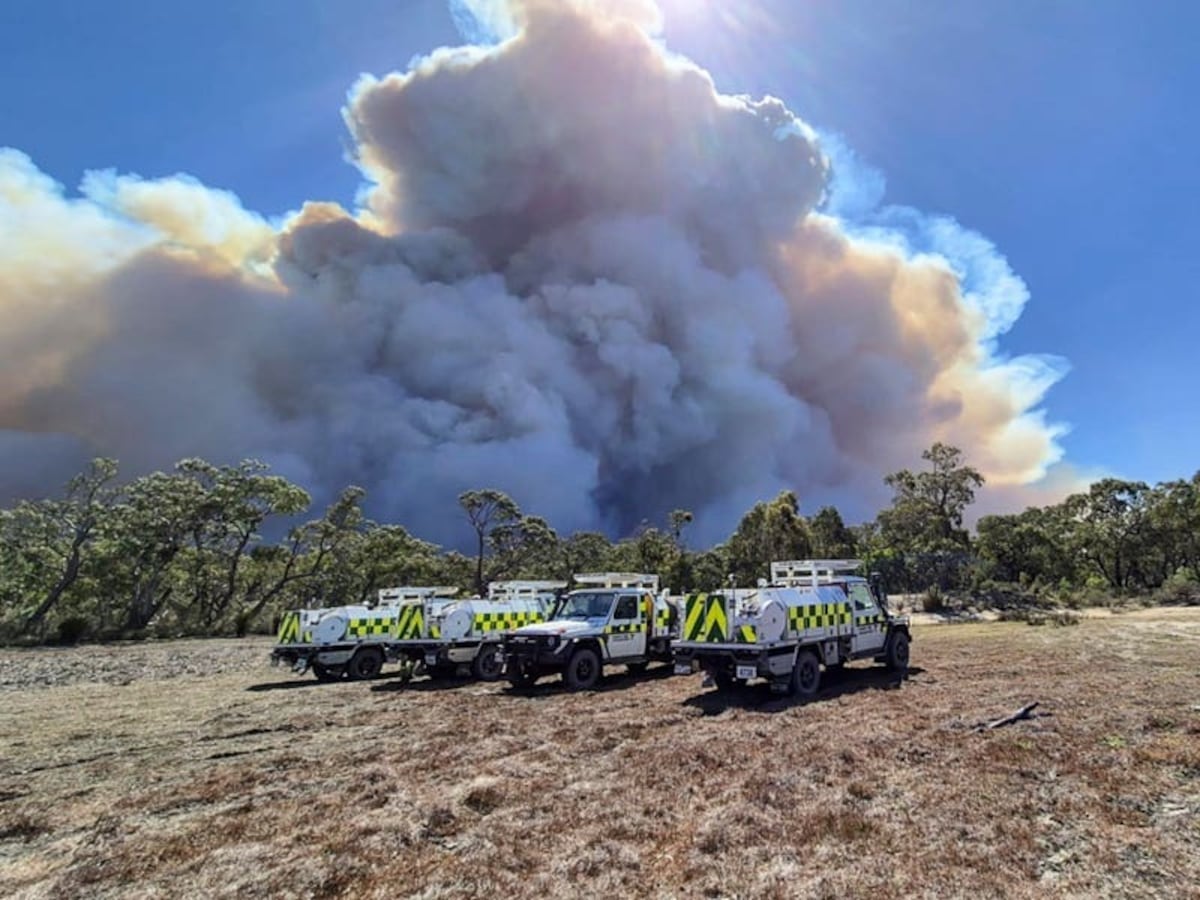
point(584, 605)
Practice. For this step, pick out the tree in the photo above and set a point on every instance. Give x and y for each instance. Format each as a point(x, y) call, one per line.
point(927, 509)
point(51, 537)
point(235, 502)
point(831, 538)
point(142, 537)
point(526, 546)
point(921, 533)
point(584, 551)
point(486, 510)
point(388, 556)
point(1108, 526)
point(768, 532)
point(1027, 548)
point(304, 556)
point(678, 520)
point(1174, 521)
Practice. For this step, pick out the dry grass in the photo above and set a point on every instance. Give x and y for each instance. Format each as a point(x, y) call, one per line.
point(247, 781)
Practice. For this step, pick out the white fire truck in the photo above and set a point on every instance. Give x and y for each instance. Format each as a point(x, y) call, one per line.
point(612, 618)
point(351, 641)
point(811, 613)
point(469, 631)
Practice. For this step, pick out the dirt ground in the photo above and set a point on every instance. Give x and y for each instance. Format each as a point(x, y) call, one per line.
point(194, 769)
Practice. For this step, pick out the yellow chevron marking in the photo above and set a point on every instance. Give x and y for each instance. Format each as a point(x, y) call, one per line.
point(289, 627)
point(695, 612)
point(715, 623)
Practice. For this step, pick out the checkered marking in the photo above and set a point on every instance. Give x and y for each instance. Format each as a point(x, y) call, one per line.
point(818, 615)
point(359, 629)
point(625, 628)
point(504, 621)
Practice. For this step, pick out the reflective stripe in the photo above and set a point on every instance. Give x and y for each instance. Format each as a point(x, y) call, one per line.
point(289, 628)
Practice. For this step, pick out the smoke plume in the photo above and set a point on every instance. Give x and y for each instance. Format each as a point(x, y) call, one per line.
point(579, 273)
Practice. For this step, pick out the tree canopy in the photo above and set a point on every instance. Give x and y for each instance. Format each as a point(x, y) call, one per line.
point(207, 549)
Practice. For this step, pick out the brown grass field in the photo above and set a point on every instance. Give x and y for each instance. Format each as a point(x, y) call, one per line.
point(194, 769)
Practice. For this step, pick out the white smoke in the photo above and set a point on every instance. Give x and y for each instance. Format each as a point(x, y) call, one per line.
point(580, 274)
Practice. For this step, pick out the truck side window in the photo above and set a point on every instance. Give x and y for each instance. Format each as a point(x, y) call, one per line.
point(627, 608)
point(861, 595)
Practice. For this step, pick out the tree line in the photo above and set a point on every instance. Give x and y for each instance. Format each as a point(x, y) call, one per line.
point(185, 552)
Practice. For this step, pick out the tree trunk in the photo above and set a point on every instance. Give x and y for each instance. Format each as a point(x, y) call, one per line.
point(68, 578)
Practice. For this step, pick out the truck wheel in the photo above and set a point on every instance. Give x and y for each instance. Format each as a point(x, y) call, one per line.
point(487, 666)
point(897, 652)
point(523, 676)
point(583, 670)
point(806, 677)
point(327, 673)
point(365, 664)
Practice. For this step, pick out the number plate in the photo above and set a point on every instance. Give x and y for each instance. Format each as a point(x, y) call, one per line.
point(431, 659)
point(747, 672)
point(683, 669)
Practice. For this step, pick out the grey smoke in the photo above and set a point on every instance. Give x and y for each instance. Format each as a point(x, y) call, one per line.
point(581, 275)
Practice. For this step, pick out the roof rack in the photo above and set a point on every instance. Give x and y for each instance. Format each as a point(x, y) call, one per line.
point(514, 589)
point(408, 593)
point(618, 580)
point(795, 572)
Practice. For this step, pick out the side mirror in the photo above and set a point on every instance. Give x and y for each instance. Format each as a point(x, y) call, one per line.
point(876, 582)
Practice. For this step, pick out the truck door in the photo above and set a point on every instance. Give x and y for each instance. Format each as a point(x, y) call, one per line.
point(870, 627)
point(626, 631)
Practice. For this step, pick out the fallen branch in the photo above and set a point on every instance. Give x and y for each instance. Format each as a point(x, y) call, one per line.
point(1022, 713)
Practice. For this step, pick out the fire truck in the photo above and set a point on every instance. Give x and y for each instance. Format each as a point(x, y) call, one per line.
point(351, 641)
point(613, 618)
point(812, 613)
point(468, 632)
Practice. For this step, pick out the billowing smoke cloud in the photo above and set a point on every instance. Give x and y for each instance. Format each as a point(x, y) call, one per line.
point(580, 274)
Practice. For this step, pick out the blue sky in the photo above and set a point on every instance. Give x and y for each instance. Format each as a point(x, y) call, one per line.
point(1063, 132)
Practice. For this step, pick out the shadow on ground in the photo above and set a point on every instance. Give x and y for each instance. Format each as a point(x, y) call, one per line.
point(615, 679)
point(297, 682)
point(834, 683)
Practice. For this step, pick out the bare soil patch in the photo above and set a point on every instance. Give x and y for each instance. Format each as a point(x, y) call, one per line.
point(193, 768)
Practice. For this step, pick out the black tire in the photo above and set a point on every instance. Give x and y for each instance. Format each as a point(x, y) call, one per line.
point(326, 673)
point(724, 681)
point(522, 675)
point(638, 668)
point(487, 666)
point(365, 664)
point(583, 670)
point(806, 676)
point(896, 658)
